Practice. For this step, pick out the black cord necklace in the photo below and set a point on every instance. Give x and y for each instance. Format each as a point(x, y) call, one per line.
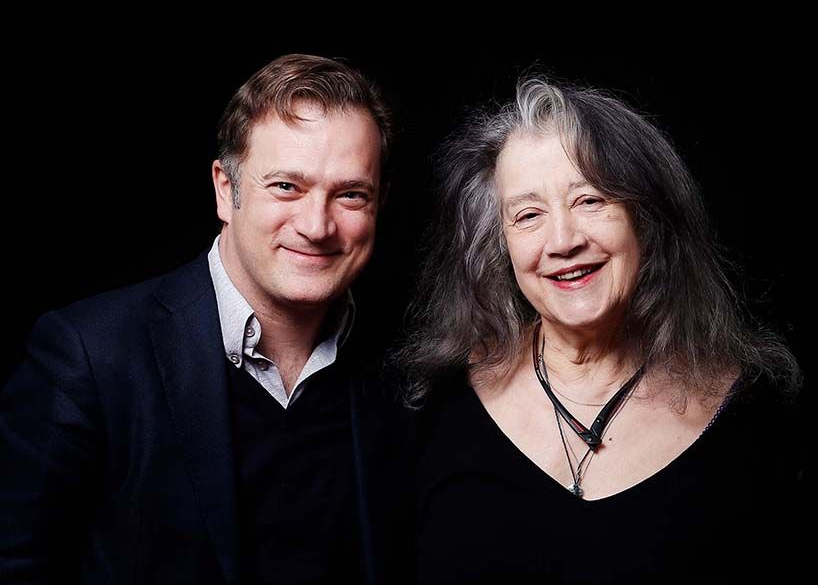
point(575, 487)
point(592, 436)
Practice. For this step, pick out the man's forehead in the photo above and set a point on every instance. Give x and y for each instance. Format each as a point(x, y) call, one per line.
point(343, 139)
point(305, 111)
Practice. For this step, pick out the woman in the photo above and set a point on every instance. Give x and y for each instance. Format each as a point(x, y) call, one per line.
point(596, 407)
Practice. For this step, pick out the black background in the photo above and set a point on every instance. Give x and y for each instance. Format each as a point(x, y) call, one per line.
point(110, 136)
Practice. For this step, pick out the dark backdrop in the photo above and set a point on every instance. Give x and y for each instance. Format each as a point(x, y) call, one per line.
point(111, 136)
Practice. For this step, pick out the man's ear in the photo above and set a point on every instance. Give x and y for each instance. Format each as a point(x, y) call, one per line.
point(224, 191)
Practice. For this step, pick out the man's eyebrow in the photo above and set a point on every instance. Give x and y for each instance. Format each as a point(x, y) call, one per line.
point(362, 184)
point(299, 177)
point(287, 175)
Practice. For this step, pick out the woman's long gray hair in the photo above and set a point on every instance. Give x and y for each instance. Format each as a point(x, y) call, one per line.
point(684, 317)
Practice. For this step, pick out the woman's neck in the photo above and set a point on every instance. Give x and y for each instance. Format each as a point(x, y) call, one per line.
point(586, 366)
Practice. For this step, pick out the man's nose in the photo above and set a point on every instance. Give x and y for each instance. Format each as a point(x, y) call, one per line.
point(314, 218)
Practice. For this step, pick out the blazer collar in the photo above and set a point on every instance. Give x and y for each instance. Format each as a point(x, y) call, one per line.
point(188, 343)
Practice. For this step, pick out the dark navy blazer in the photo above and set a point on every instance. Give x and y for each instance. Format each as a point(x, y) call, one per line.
point(116, 464)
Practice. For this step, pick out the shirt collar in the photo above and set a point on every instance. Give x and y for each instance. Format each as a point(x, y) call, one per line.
point(235, 313)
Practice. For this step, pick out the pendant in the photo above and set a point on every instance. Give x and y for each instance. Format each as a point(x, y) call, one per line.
point(576, 490)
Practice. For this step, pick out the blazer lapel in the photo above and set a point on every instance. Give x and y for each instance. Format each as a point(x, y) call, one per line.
point(187, 338)
point(381, 443)
point(361, 457)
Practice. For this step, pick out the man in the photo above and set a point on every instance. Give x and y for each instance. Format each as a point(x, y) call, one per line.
point(210, 426)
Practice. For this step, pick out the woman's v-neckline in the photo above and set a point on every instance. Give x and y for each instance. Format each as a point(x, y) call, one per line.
point(536, 470)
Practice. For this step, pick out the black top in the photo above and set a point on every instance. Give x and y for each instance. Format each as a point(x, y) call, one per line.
point(294, 483)
point(727, 509)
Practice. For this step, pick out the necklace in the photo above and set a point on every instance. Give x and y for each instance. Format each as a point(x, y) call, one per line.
point(592, 436)
point(569, 399)
point(575, 487)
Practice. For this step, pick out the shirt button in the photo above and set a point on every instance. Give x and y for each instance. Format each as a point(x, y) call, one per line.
point(262, 365)
point(249, 332)
point(233, 357)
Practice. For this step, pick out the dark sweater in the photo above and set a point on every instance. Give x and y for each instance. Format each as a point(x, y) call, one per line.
point(294, 483)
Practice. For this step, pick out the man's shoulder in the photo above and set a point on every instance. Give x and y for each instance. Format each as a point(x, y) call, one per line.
point(139, 301)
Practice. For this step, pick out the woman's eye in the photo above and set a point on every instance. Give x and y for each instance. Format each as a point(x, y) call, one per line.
point(525, 216)
point(591, 201)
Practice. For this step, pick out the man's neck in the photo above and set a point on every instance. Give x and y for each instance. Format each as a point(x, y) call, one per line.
point(288, 338)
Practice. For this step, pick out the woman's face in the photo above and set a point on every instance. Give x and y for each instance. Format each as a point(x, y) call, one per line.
point(574, 249)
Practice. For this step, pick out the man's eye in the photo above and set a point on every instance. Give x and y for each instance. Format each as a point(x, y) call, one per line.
point(357, 199)
point(284, 186)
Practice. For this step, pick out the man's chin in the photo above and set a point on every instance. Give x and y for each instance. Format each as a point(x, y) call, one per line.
point(307, 292)
point(311, 298)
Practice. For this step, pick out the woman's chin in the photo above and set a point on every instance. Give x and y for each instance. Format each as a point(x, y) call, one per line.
point(582, 322)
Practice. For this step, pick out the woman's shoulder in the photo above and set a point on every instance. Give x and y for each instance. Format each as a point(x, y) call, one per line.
point(768, 422)
point(446, 411)
point(763, 396)
point(447, 394)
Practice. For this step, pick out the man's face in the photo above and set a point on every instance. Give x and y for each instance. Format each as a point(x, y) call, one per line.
point(305, 227)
